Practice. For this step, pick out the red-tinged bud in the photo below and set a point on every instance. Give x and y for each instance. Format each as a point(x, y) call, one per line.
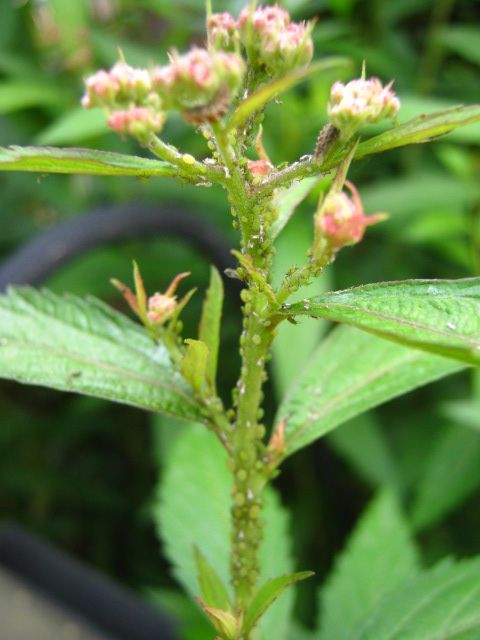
point(360, 102)
point(259, 168)
point(137, 121)
point(341, 220)
point(200, 83)
point(161, 306)
point(279, 44)
point(222, 30)
point(134, 84)
point(277, 440)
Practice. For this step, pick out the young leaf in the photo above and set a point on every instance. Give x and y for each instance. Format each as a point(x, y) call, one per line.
point(348, 374)
point(287, 200)
point(443, 603)
point(194, 365)
point(197, 474)
point(441, 316)
point(212, 589)
point(423, 128)
point(451, 471)
point(379, 556)
point(24, 94)
point(74, 126)
point(209, 331)
point(272, 89)
point(83, 346)
point(81, 161)
point(266, 596)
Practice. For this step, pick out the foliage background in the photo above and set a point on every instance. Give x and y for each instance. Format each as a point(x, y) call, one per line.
point(82, 472)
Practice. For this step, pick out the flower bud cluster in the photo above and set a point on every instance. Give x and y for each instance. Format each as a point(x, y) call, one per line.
point(341, 220)
point(222, 31)
point(200, 83)
point(127, 96)
point(360, 102)
point(279, 44)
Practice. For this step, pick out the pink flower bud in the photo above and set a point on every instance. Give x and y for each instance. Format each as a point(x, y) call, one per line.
point(259, 168)
point(360, 102)
point(195, 82)
point(341, 220)
point(222, 30)
point(161, 307)
point(280, 45)
point(137, 121)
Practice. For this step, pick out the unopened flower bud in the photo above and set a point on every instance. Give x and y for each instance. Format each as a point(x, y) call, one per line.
point(133, 84)
point(222, 30)
point(161, 307)
point(137, 121)
point(199, 83)
point(259, 168)
point(101, 89)
point(280, 45)
point(360, 102)
point(341, 220)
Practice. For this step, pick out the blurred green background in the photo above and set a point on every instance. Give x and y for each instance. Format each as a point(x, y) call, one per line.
point(81, 472)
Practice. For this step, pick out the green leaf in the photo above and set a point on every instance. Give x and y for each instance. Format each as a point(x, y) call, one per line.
point(441, 316)
point(267, 595)
point(423, 128)
point(82, 161)
point(287, 200)
point(194, 365)
point(78, 345)
point(379, 556)
point(197, 474)
point(462, 39)
point(348, 374)
point(209, 330)
point(23, 94)
point(75, 126)
point(464, 412)
point(211, 587)
point(450, 472)
point(363, 443)
point(441, 604)
point(272, 89)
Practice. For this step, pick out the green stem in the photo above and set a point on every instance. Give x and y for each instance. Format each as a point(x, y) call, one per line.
point(188, 168)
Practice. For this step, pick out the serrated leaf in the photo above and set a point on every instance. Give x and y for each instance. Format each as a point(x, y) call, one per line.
point(72, 344)
point(193, 508)
point(194, 365)
point(379, 556)
point(421, 129)
point(267, 595)
point(272, 89)
point(441, 604)
point(209, 331)
point(80, 161)
point(348, 374)
point(287, 200)
point(450, 472)
point(212, 589)
point(441, 316)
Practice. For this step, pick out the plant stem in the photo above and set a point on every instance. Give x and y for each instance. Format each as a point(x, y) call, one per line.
point(247, 451)
point(188, 168)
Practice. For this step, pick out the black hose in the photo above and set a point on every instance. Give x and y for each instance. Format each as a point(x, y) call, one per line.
point(45, 254)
